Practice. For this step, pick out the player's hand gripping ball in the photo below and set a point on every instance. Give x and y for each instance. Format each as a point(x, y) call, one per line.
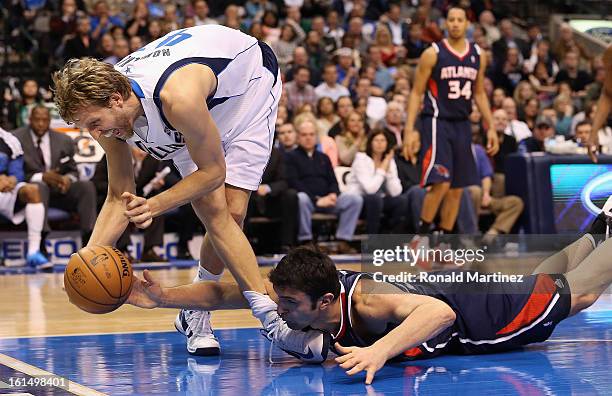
point(98, 279)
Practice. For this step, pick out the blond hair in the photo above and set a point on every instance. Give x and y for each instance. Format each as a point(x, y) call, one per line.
point(87, 82)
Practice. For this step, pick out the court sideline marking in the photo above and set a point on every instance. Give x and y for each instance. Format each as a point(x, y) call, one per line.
point(73, 387)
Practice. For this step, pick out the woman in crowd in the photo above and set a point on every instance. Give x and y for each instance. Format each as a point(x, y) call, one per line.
point(327, 116)
point(374, 175)
point(352, 139)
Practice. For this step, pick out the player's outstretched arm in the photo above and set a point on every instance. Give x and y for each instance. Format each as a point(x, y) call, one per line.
point(184, 104)
point(480, 97)
point(604, 104)
point(111, 221)
point(205, 296)
point(423, 71)
point(418, 319)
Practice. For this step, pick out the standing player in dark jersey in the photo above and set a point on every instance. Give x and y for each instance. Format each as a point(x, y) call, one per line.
point(450, 74)
point(371, 321)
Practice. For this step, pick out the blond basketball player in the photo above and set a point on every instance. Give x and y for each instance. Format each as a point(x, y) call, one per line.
point(205, 97)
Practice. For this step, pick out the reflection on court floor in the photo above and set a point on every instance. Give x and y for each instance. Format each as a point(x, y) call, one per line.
point(575, 361)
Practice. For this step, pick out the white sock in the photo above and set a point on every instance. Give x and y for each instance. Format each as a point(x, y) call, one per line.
point(205, 275)
point(261, 305)
point(35, 217)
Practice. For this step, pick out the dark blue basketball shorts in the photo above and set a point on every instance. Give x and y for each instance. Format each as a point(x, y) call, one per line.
point(446, 153)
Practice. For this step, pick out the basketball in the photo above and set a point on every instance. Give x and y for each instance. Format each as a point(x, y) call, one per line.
point(98, 279)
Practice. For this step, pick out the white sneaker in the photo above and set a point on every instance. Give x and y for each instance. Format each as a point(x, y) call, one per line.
point(195, 325)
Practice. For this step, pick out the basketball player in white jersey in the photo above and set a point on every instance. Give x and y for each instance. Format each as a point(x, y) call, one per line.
point(205, 97)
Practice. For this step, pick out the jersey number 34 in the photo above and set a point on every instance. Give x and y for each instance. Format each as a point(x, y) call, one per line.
point(455, 91)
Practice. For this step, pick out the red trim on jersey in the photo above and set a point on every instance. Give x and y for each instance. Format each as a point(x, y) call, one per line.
point(426, 161)
point(413, 352)
point(433, 87)
point(450, 49)
point(342, 319)
point(535, 306)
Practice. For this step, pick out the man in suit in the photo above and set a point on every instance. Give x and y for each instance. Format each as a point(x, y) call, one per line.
point(274, 198)
point(508, 40)
point(49, 161)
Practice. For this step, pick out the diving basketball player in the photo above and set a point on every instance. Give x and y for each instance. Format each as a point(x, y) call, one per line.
point(370, 321)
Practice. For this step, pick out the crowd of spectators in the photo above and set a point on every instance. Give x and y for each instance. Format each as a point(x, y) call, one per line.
point(347, 69)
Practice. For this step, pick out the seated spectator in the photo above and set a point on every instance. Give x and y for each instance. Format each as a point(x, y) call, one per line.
point(201, 10)
point(19, 109)
point(274, 199)
point(543, 130)
point(83, 44)
point(352, 139)
point(565, 111)
point(497, 98)
point(543, 83)
point(333, 28)
point(291, 35)
point(486, 20)
point(578, 79)
point(326, 115)
point(507, 146)
point(21, 201)
point(374, 176)
point(311, 174)
point(542, 55)
point(344, 106)
point(301, 58)
point(325, 144)
point(415, 45)
point(154, 31)
point(328, 43)
point(120, 51)
point(102, 21)
point(347, 71)
point(299, 91)
point(429, 26)
point(382, 77)
point(522, 93)
point(393, 124)
point(506, 208)
point(509, 40)
point(136, 43)
point(593, 90)
point(517, 129)
point(145, 170)
point(509, 73)
point(105, 46)
point(582, 133)
point(287, 137)
point(375, 106)
point(49, 161)
point(270, 27)
point(137, 26)
point(530, 112)
point(398, 28)
point(389, 53)
point(330, 87)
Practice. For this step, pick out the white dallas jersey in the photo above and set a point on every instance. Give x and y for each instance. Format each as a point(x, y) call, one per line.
point(234, 57)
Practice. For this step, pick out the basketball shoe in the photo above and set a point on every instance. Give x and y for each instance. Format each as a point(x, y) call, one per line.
point(195, 325)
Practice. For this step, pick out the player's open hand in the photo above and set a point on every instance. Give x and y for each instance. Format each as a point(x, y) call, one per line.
point(356, 359)
point(137, 210)
point(145, 293)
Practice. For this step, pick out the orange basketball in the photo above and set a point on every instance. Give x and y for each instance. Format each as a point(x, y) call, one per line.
point(98, 279)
